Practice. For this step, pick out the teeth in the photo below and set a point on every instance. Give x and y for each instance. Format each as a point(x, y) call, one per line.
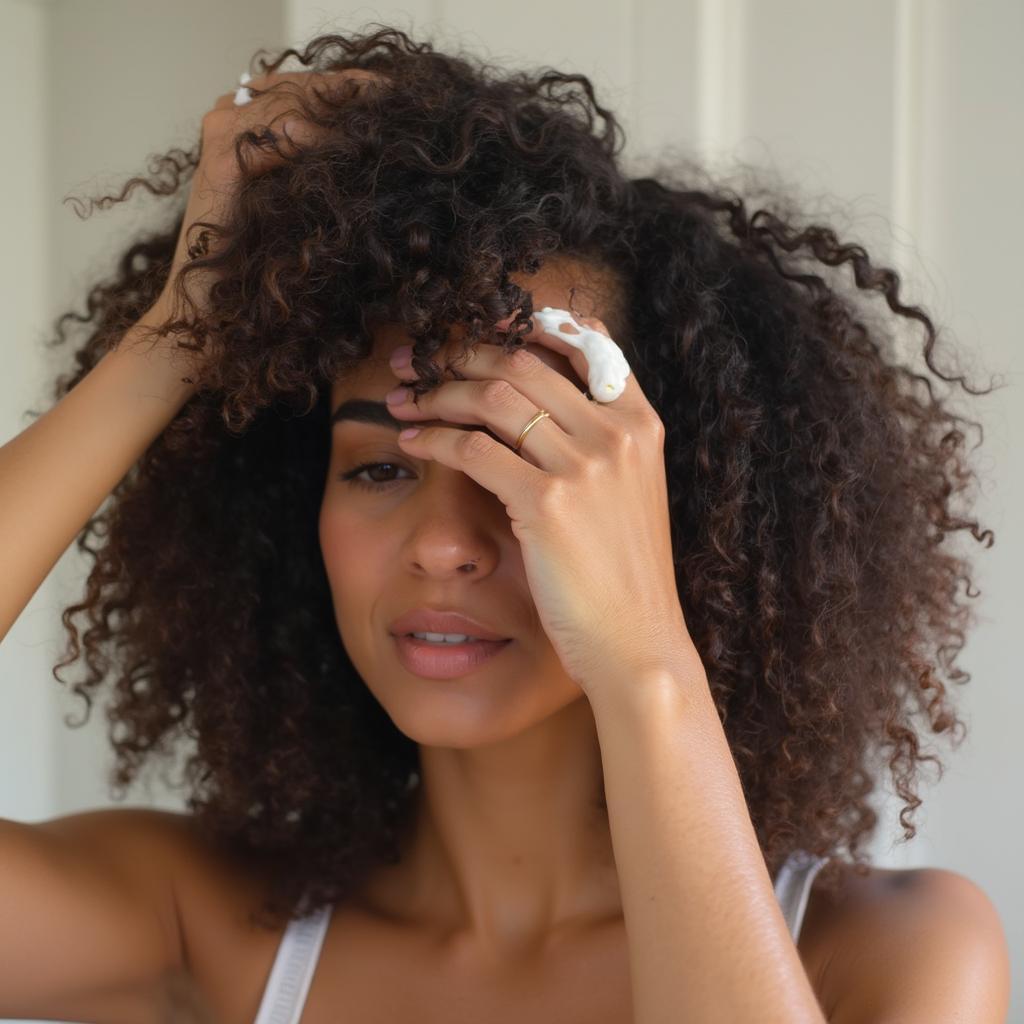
point(445, 638)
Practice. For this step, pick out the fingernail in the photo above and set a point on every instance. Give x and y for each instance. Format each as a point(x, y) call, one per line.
point(401, 357)
point(396, 397)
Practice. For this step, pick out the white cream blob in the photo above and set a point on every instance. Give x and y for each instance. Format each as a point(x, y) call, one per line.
point(243, 95)
point(607, 368)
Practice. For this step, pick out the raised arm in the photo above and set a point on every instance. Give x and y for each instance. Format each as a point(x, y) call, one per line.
point(56, 473)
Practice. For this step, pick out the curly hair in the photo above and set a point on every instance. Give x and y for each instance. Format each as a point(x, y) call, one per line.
point(812, 475)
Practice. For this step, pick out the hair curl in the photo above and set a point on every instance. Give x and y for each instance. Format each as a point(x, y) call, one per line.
point(811, 474)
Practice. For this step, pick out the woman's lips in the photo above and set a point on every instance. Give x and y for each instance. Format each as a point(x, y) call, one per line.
point(445, 661)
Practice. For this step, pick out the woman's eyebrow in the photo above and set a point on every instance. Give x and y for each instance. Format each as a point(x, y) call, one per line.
point(365, 410)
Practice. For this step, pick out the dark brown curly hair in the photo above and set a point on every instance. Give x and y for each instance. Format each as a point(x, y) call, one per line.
point(812, 475)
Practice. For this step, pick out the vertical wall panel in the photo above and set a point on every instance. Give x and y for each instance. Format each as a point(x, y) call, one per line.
point(663, 105)
point(971, 194)
point(819, 98)
point(972, 217)
point(908, 122)
point(721, 78)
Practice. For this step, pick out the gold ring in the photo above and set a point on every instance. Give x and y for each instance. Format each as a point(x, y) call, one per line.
point(541, 413)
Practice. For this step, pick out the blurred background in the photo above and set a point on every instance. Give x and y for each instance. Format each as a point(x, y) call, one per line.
point(900, 120)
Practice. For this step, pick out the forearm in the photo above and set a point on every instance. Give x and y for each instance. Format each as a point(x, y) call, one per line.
point(58, 471)
point(707, 938)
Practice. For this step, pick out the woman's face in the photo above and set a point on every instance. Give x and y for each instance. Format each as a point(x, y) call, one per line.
point(413, 533)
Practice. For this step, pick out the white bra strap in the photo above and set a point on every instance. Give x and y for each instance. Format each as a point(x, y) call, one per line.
point(793, 886)
point(292, 973)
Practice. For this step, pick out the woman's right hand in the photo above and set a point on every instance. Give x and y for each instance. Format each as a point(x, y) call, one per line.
point(215, 180)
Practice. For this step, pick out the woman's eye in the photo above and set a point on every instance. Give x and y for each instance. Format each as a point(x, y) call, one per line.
point(353, 476)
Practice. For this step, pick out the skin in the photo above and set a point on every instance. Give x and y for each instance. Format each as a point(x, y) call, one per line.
point(500, 859)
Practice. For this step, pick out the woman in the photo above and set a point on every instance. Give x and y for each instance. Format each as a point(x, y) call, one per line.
point(684, 622)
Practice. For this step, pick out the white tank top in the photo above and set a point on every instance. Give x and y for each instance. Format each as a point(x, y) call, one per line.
point(297, 956)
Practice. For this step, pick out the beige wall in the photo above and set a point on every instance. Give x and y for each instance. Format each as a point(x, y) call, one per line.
point(907, 112)
point(28, 767)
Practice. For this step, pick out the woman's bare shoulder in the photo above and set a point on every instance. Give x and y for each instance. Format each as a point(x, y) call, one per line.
point(198, 866)
point(879, 945)
point(173, 837)
point(224, 954)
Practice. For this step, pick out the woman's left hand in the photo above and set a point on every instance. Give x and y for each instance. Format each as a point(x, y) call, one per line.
point(586, 496)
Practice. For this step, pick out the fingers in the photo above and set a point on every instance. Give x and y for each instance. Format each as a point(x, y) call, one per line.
point(500, 407)
point(266, 88)
point(275, 110)
point(275, 107)
point(535, 385)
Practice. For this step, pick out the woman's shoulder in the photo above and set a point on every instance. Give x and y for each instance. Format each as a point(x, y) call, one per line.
point(181, 851)
point(879, 945)
point(209, 882)
point(212, 889)
point(225, 954)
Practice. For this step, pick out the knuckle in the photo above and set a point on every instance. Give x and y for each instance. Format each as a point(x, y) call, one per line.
point(498, 394)
point(627, 440)
point(522, 360)
point(591, 471)
point(472, 444)
point(214, 116)
point(550, 498)
point(220, 124)
point(654, 423)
